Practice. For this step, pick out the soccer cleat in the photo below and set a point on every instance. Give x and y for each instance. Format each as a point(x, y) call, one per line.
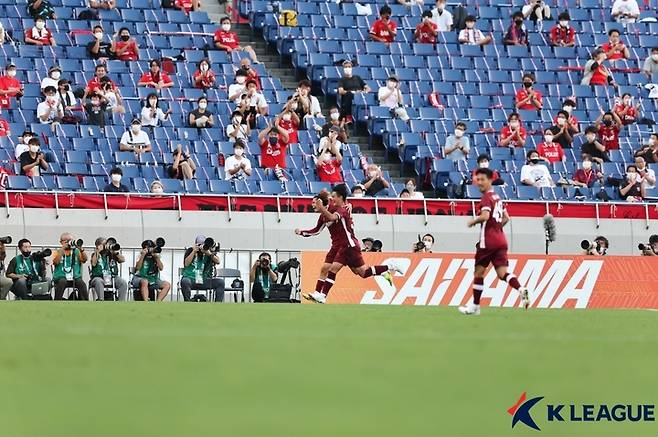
point(394, 267)
point(470, 309)
point(315, 297)
point(525, 298)
point(388, 277)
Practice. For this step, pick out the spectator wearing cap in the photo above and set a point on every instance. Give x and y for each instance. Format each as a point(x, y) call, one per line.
point(563, 35)
point(239, 88)
point(334, 120)
point(615, 49)
point(100, 48)
point(245, 65)
point(329, 167)
point(273, 147)
point(595, 73)
point(50, 111)
point(427, 30)
point(155, 77)
point(330, 143)
point(516, 34)
point(484, 161)
point(650, 66)
point(527, 98)
point(513, 134)
point(183, 167)
point(96, 109)
point(135, 139)
point(115, 185)
point(348, 85)
point(288, 121)
point(229, 41)
point(358, 191)
point(442, 17)
point(152, 115)
point(457, 144)
point(472, 35)
point(204, 77)
point(237, 130)
point(54, 74)
point(201, 117)
point(237, 166)
point(390, 96)
point(39, 35)
point(375, 181)
point(9, 86)
point(40, 9)
point(307, 105)
point(384, 29)
point(125, 46)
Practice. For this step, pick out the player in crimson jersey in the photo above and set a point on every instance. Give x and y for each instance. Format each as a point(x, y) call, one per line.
point(492, 246)
point(345, 247)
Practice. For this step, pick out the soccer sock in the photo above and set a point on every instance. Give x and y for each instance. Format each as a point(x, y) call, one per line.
point(328, 283)
point(375, 271)
point(512, 281)
point(478, 286)
point(319, 285)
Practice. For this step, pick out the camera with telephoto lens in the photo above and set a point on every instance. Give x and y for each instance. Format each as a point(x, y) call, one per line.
point(154, 246)
point(595, 247)
point(264, 263)
point(649, 247)
point(75, 243)
point(5, 240)
point(292, 263)
point(419, 246)
point(41, 255)
point(209, 244)
point(111, 245)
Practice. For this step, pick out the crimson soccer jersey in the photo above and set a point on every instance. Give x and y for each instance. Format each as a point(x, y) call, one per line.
point(631, 113)
point(609, 137)
point(229, 39)
point(522, 94)
point(491, 231)
point(553, 152)
point(425, 34)
point(379, 29)
point(291, 127)
point(506, 132)
point(342, 230)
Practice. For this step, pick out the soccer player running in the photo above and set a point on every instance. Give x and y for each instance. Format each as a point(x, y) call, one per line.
point(345, 247)
point(492, 246)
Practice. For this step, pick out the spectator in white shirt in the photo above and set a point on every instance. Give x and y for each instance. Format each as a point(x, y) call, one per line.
point(536, 10)
point(307, 104)
point(471, 35)
point(650, 66)
point(237, 130)
point(535, 174)
point(54, 74)
point(410, 186)
point(23, 144)
point(457, 145)
point(330, 143)
point(625, 11)
point(237, 166)
point(135, 139)
point(442, 17)
point(647, 174)
point(390, 96)
point(237, 89)
point(152, 114)
point(257, 101)
point(50, 111)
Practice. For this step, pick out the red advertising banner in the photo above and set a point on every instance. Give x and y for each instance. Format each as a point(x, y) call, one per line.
point(447, 279)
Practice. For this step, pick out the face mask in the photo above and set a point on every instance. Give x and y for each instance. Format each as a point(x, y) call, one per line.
point(136, 129)
point(240, 79)
point(157, 190)
point(11, 73)
point(334, 115)
point(40, 25)
point(654, 57)
point(411, 188)
point(390, 84)
point(373, 174)
point(514, 124)
point(286, 117)
point(26, 140)
point(99, 35)
point(239, 151)
point(95, 102)
point(274, 141)
point(26, 254)
point(567, 109)
point(631, 176)
point(226, 27)
point(564, 23)
point(527, 84)
point(591, 138)
point(561, 121)
point(203, 105)
point(236, 120)
point(204, 67)
point(470, 25)
point(548, 138)
point(428, 244)
point(459, 133)
point(358, 194)
point(125, 37)
point(34, 149)
point(116, 178)
point(534, 160)
point(347, 70)
point(55, 75)
point(587, 165)
point(607, 122)
point(484, 164)
point(440, 7)
point(51, 99)
point(153, 102)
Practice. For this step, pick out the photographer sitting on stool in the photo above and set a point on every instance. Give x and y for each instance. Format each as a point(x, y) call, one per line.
point(68, 267)
point(104, 268)
point(198, 271)
point(26, 268)
point(148, 268)
point(262, 276)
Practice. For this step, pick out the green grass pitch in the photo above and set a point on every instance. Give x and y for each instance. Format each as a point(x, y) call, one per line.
point(91, 369)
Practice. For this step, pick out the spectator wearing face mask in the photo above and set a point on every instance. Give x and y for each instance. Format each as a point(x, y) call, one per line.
point(40, 9)
point(33, 162)
point(288, 121)
point(115, 185)
point(39, 35)
point(334, 120)
point(390, 96)
point(650, 66)
point(563, 35)
point(239, 88)
point(647, 174)
point(536, 10)
point(632, 190)
point(201, 117)
point(188, 6)
point(245, 65)
point(156, 187)
point(100, 48)
point(155, 77)
point(23, 144)
point(428, 241)
point(595, 73)
point(586, 176)
point(10, 87)
point(528, 98)
point(125, 47)
point(535, 174)
point(427, 30)
point(568, 106)
point(183, 167)
point(347, 86)
point(96, 110)
point(237, 130)
point(237, 166)
point(471, 35)
point(625, 11)
point(229, 41)
point(358, 191)
point(329, 167)
point(483, 161)
point(442, 17)
point(330, 143)
point(615, 49)
point(625, 110)
point(135, 139)
point(384, 29)
point(66, 97)
point(152, 114)
point(204, 77)
point(516, 34)
point(50, 110)
point(410, 186)
point(375, 181)
point(256, 100)
point(649, 151)
point(307, 104)
point(549, 150)
point(457, 145)
point(54, 74)
point(273, 146)
point(562, 130)
point(513, 134)
point(592, 148)
point(609, 126)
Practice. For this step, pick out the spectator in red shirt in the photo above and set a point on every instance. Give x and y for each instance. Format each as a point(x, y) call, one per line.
point(625, 109)
point(155, 78)
point(329, 168)
point(39, 35)
point(568, 106)
point(563, 35)
point(204, 77)
point(615, 49)
point(9, 86)
point(384, 29)
point(513, 134)
point(273, 145)
point(5, 131)
point(595, 73)
point(95, 83)
point(126, 48)
point(609, 126)
point(288, 121)
point(550, 151)
point(426, 31)
point(188, 6)
point(586, 176)
point(527, 98)
point(229, 41)
point(245, 65)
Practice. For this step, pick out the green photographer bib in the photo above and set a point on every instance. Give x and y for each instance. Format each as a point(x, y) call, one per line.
point(69, 267)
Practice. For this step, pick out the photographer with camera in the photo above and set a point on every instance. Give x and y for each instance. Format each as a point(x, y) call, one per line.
point(424, 244)
point(148, 268)
point(27, 268)
point(105, 268)
point(5, 282)
point(598, 247)
point(68, 261)
point(650, 249)
point(199, 263)
point(262, 275)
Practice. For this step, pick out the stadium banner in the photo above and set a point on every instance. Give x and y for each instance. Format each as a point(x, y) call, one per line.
point(447, 279)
